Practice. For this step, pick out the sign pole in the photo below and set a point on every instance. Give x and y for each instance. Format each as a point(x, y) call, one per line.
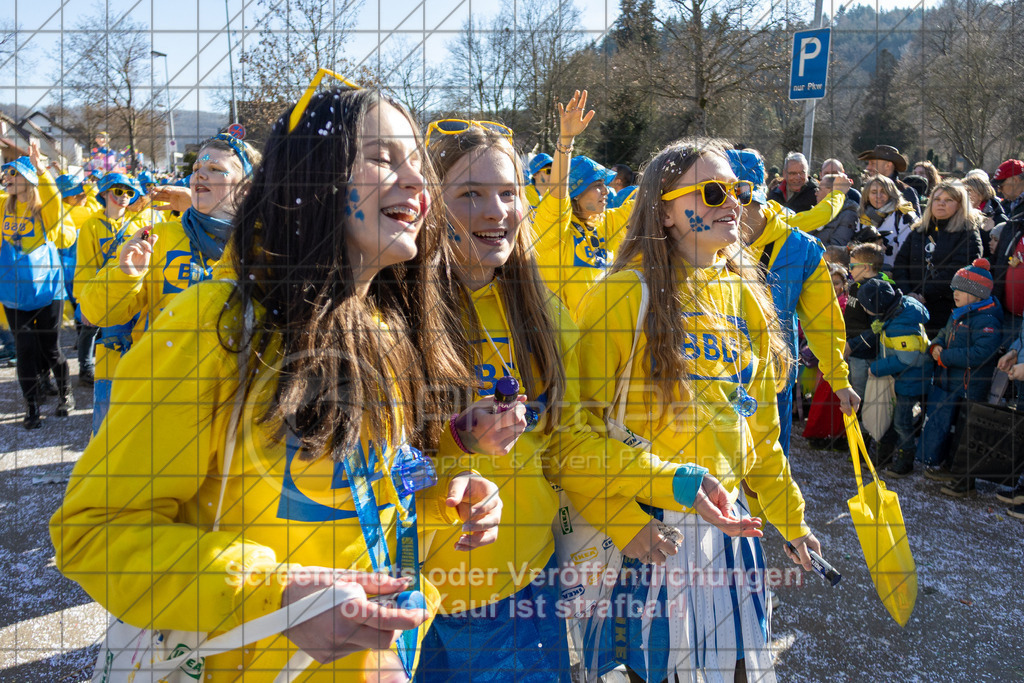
point(810, 105)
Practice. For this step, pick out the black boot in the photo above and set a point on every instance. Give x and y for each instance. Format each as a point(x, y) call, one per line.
point(66, 402)
point(902, 465)
point(32, 418)
point(884, 449)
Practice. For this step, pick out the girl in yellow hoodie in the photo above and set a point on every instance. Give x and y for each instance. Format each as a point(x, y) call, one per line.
point(331, 327)
point(703, 390)
point(576, 234)
point(130, 290)
point(503, 615)
point(32, 279)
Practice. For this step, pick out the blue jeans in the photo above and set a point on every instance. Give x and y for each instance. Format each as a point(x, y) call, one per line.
point(859, 374)
point(943, 408)
point(903, 421)
point(87, 347)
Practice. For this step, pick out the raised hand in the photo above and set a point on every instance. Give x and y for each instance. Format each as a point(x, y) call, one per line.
point(573, 118)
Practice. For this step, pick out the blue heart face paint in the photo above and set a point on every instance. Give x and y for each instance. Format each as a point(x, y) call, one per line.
point(452, 235)
point(384, 192)
point(697, 223)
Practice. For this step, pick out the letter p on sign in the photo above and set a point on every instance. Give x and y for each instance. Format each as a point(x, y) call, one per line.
point(809, 68)
point(809, 49)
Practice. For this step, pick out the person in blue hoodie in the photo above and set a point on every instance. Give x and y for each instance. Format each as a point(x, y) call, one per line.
point(966, 352)
point(902, 352)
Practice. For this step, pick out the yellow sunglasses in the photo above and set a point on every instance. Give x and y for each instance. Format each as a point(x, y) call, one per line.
point(456, 126)
point(714, 192)
point(122, 191)
point(300, 106)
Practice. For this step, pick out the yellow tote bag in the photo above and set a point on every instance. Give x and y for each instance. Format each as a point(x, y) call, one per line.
point(878, 519)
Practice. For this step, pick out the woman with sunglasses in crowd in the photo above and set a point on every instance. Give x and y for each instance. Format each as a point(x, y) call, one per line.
point(576, 234)
point(157, 262)
point(707, 354)
point(523, 345)
point(99, 240)
point(32, 281)
point(947, 238)
point(333, 332)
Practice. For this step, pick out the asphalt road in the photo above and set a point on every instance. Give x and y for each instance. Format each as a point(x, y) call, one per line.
point(968, 623)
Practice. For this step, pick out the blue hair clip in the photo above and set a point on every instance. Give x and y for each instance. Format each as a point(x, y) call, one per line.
point(238, 148)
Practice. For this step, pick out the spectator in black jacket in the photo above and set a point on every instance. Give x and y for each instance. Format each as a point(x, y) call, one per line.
point(885, 160)
point(796, 191)
point(945, 239)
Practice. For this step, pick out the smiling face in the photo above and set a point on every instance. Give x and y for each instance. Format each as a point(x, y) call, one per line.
point(943, 206)
point(593, 200)
point(877, 196)
point(387, 193)
point(481, 196)
point(698, 231)
point(216, 175)
point(16, 185)
point(796, 175)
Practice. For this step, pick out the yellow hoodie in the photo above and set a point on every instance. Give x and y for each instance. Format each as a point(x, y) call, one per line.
point(95, 249)
point(113, 298)
point(601, 476)
point(710, 433)
point(572, 256)
point(133, 528)
point(51, 224)
point(815, 305)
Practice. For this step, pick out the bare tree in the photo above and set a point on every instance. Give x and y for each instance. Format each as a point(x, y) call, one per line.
point(403, 70)
point(297, 38)
point(957, 77)
point(107, 73)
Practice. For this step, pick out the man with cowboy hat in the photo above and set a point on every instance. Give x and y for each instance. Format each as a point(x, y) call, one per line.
point(887, 161)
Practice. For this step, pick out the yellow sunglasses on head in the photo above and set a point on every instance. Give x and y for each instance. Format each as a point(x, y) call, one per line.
point(456, 126)
point(300, 106)
point(714, 192)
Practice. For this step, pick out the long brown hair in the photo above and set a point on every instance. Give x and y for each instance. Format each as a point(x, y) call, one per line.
point(523, 295)
point(647, 240)
point(338, 366)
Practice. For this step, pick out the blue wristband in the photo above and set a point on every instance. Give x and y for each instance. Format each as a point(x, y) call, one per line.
point(686, 482)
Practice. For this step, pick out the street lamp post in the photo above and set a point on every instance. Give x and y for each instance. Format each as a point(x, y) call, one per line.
point(172, 144)
point(231, 65)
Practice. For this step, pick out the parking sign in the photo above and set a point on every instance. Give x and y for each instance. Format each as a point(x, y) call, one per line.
point(809, 69)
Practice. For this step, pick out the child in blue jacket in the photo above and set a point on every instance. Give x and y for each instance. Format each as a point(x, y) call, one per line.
point(902, 352)
point(966, 352)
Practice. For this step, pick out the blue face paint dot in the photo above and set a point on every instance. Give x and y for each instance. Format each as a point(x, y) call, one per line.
point(348, 210)
point(353, 196)
point(360, 216)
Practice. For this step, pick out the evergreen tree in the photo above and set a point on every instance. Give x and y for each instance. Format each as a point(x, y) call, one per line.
point(883, 121)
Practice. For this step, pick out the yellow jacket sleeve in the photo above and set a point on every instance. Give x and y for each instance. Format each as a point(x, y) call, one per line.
point(88, 258)
point(616, 222)
point(60, 229)
point(123, 530)
point(770, 478)
point(819, 215)
point(822, 322)
point(603, 475)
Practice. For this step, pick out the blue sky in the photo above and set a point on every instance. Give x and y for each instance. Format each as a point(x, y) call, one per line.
point(193, 36)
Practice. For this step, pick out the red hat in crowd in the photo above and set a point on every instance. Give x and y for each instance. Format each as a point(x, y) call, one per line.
point(1008, 169)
